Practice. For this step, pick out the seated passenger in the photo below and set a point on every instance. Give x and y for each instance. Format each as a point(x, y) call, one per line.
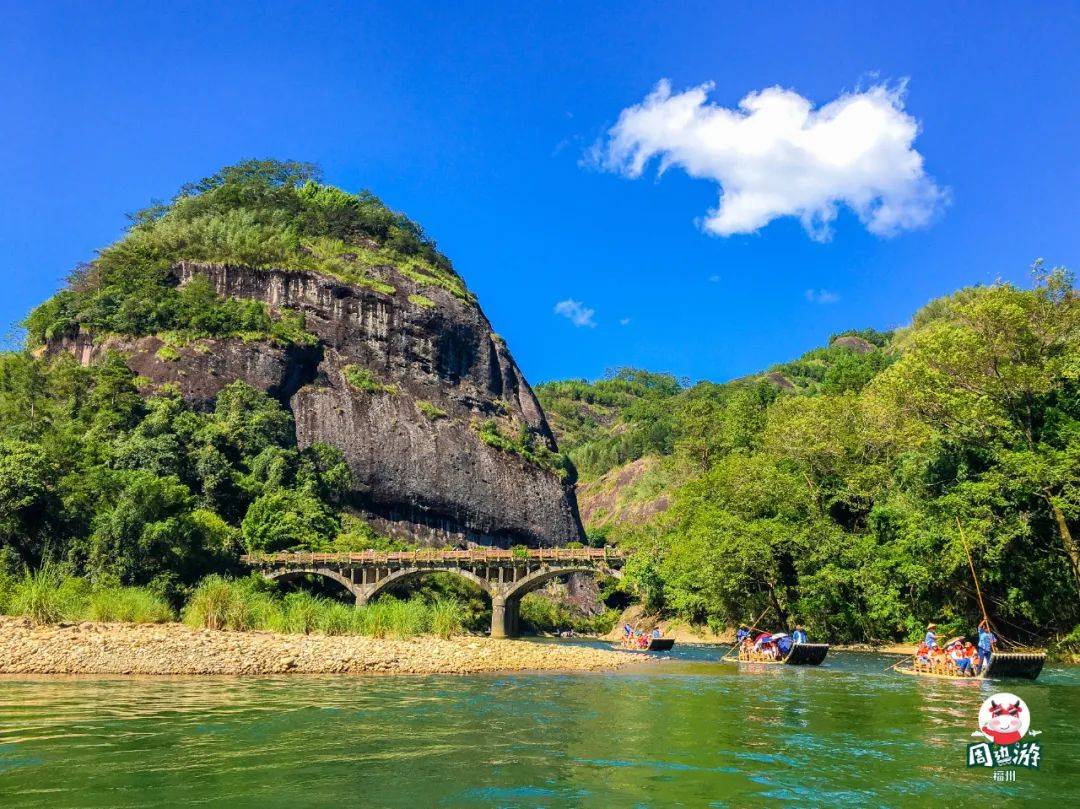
point(959, 659)
point(922, 655)
point(937, 659)
point(799, 635)
point(783, 646)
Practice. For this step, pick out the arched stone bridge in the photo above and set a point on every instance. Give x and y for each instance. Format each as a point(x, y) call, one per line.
point(504, 575)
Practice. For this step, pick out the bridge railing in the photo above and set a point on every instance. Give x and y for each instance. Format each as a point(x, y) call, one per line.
point(472, 555)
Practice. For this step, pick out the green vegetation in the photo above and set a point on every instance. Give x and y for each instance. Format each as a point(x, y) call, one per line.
point(46, 596)
point(421, 301)
point(130, 490)
point(540, 613)
point(364, 381)
point(430, 411)
point(527, 445)
point(168, 354)
point(607, 423)
point(251, 603)
point(258, 214)
point(830, 488)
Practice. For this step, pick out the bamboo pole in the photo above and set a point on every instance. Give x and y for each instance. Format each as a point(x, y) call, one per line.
point(751, 626)
point(974, 578)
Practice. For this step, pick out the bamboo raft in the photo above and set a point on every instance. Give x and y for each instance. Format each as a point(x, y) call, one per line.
point(801, 654)
point(655, 645)
point(1003, 665)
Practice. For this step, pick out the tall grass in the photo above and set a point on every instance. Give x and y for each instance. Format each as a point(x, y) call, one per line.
point(134, 605)
point(220, 603)
point(45, 596)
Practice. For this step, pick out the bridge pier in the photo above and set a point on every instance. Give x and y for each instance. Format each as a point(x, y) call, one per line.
point(505, 615)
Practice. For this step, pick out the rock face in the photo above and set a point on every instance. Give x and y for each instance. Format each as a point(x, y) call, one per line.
point(431, 370)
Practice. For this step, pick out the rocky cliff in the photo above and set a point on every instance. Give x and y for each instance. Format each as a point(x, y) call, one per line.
point(444, 437)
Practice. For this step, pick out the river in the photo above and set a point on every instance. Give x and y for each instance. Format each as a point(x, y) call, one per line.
point(686, 731)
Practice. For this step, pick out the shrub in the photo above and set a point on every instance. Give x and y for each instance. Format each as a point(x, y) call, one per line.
point(336, 618)
point(221, 603)
point(526, 445)
point(245, 604)
point(129, 604)
point(422, 301)
point(430, 410)
point(168, 354)
point(363, 380)
point(7, 586)
point(300, 613)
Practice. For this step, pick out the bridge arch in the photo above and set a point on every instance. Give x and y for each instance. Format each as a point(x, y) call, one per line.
point(291, 573)
point(538, 578)
point(409, 573)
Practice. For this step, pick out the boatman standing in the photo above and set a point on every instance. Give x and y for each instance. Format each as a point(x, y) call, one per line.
point(799, 635)
point(986, 645)
point(931, 637)
point(742, 634)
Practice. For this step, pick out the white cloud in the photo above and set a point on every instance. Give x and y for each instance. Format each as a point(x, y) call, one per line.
point(576, 312)
point(714, 279)
point(821, 296)
point(777, 156)
point(624, 321)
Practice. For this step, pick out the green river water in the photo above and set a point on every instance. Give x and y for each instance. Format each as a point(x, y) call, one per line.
point(688, 731)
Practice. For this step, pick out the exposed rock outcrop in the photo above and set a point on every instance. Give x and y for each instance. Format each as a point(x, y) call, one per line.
point(431, 370)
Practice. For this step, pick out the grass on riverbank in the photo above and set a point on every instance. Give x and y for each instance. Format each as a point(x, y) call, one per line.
point(46, 597)
point(246, 604)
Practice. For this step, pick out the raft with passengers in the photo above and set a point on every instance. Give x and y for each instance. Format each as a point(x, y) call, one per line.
point(770, 648)
point(959, 659)
point(634, 640)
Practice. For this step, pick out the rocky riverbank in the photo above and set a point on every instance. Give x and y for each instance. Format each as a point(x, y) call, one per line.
point(96, 648)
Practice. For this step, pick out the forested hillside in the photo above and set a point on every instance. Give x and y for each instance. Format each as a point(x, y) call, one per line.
point(834, 489)
point(264, 363)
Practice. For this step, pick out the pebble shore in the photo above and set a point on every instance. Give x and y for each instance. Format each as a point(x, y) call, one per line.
point(97, 648)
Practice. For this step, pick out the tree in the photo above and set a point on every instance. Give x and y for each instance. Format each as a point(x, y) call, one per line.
point(286, 519)
point(993, 367)
point(28, 502)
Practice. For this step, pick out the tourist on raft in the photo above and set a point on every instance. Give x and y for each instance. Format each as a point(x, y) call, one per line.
point(764, 645)
point(799, 635)
point(959, 659)
point(931, 637)
point(783, 644)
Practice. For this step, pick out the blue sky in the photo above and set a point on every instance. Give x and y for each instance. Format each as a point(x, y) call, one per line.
point(477, 121)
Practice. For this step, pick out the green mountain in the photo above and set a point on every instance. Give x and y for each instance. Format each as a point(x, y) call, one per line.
point(267, 362)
